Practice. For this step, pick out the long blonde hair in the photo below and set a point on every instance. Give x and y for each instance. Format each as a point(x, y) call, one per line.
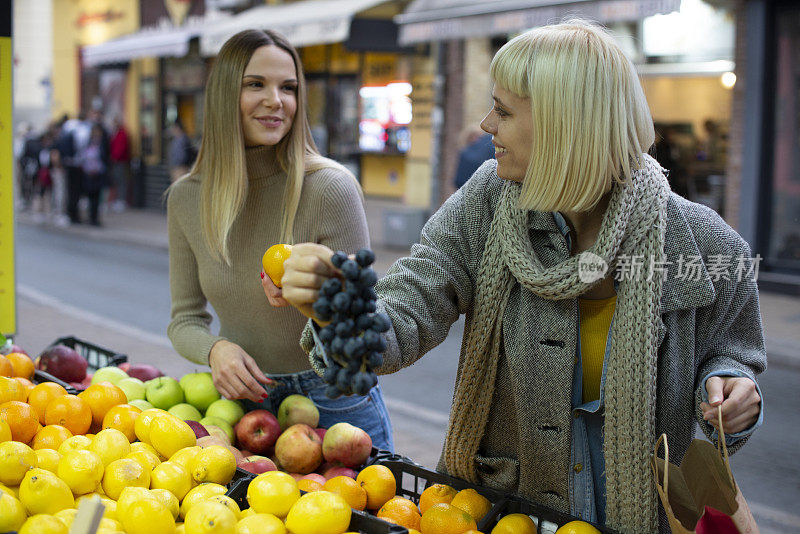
point(591, 122)
point(220, 162)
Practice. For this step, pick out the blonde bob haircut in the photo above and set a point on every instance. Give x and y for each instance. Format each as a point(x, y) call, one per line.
point(591, 122)
point(220, 163)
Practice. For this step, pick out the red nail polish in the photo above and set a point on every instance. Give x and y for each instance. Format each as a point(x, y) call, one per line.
point(261, 400)
point(262, 276)
point(264, 396)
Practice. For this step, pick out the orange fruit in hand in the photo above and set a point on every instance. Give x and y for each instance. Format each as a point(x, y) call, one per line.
point(101, 398)
point(21, 364)
point(21, 418)
point(401, 511)
point(122, 417)
point(472, 502)
point(379, 483)
point(69, 411)
point(41, 395)
point(272, 261)
point(435, 494)
point(50, 437)
point(348, 488)
point(444, 518)
point(5, 366)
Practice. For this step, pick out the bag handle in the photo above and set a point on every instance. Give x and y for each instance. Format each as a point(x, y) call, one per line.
point(662, 439)
point(722, 445)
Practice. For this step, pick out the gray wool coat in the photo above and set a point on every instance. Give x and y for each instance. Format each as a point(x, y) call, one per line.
point(709, 322)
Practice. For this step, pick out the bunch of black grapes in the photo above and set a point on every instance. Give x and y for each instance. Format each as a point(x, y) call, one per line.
point(352, 340)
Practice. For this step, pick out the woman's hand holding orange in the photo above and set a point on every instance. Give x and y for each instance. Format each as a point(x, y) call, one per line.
point(304, 273)
point(235, 373)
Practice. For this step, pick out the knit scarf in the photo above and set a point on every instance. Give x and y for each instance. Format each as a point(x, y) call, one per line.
point(633, 225)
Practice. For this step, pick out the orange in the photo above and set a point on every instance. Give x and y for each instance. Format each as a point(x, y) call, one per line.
point(348, 488)
point(21, 418)
point(21, 365)
point(5, 366)
point(5, 432)
point(69, 411)
point(472, 502)
point(401, 511)
point(27, 385)
point(101, 398)
point(379, 483)
point(273, 259)
point(11, 390)
point(122, 417)
point(435, 494)
point(577, 527)
point(308, 485)
point(444, 518)
point(50, 437)
point(41, 395)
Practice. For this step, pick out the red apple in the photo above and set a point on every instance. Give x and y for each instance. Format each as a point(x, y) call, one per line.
point(63, 362)
point(143, 371)
point(316, 476)
point(347, 444)
point(199, 430)
point(125, 366)
point(13, 348)
point(338, 470)
point(257, 431)
point(208, 441)
point(257, 464)
point(299, 449)
point(321, 432)
point(297, 476)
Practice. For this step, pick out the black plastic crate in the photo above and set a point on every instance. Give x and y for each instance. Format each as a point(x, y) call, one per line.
point(547, 520)
point(359, 521)
point(95, 355)
point(41, 376)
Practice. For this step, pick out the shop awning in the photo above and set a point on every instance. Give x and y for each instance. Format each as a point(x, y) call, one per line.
point(166, 41)
point(303, 23)
point(439, 20)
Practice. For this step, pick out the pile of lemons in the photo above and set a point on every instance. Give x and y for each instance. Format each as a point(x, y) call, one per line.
point(146, 486)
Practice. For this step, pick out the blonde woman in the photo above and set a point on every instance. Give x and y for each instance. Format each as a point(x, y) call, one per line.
point(259, 180)
point(554, 400)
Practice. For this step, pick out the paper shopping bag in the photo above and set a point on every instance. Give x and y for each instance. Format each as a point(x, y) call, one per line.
point(701, 496)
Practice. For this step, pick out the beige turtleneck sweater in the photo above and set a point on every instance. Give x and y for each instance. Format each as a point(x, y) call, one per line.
point(331, 212)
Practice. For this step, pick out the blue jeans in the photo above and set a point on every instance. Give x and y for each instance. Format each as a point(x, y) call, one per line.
point(367, 412)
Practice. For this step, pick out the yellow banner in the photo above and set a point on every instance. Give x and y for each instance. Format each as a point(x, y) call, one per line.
point(8, 309)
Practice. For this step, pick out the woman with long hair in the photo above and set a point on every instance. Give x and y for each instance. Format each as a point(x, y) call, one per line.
point(595, 320)
point(259, 180)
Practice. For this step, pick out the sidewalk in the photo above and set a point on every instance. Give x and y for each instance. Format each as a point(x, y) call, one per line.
point(780, 312)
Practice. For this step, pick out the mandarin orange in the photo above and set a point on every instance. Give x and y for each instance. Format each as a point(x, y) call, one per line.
point(41, 395)
point(69, 411)
point(122, 417)
point(444, 518)
point(50, 437)
point(5, 366)
point(21, 364)
point(272, 261)
point(401, 511)
point(11, 390)
point(101, 397)
point(21, 418)
point(435, 494)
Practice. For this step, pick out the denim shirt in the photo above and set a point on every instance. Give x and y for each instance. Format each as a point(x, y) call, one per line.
point(587, 477)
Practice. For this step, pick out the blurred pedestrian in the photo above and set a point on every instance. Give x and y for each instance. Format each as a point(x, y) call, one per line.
point(477, 148)
point(120, 158)
point(668, 155)
point(29, 164)
point(181, 153)
point(94, 164)
point(72, 141)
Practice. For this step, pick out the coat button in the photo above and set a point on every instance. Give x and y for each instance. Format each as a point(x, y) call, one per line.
point(578, 468)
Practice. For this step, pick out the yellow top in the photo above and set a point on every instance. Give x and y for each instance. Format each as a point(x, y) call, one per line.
point(595, 322)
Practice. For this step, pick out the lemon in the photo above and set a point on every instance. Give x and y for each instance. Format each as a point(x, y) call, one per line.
point(82, 470)
point(110, 444)
point(247, 512)
point(148, 460)
point(230, 503)
point(109, 524)
point(5, 431)
point(121, 473)
point(168, 434)
point(110, 506)
point(214, 464)
point(168, 499)
point(141, 427)
point(15, 460)
point(12, 513)
point(179, 529)
point(147, 516)
point(273, 492)
point(42, 492)
point(129, 496)
point(43, 524)
point(210, 517)
point(472, 502)
point(260, 524)
point(47, 459)
point(577, 527)
point(185, 456)
point(172, 477)
point(74, 443)
point(200, 494)
point(67, 516)
point(319, 512)
point(515, 524)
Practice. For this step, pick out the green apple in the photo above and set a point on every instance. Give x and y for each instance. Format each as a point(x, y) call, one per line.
point(133, 387)
point(141, 404)
point(109, 374)
point(229, 411)
point(163, 392)
point(199, 390)
point(211, 422)
point(186, 412)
